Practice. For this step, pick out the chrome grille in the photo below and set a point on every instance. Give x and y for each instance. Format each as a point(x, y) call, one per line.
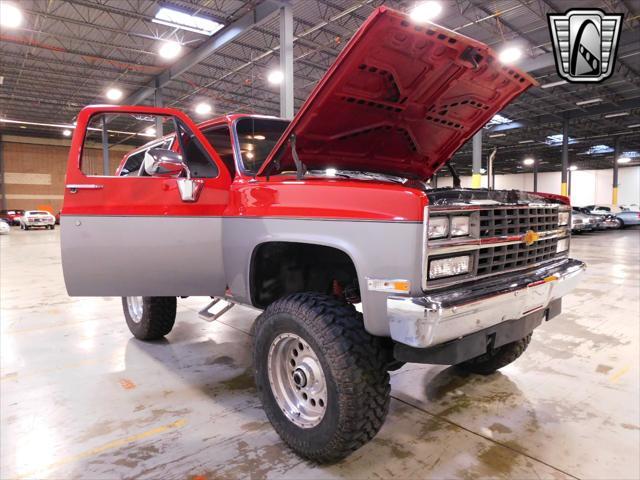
point(498, 222)
point(493, 260)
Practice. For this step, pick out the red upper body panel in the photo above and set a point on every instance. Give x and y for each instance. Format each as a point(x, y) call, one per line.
point(400, 99)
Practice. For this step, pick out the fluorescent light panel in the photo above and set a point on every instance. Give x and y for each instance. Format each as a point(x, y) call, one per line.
point(553, 84)
point(619, 114)
point(526, 141)
point(587, 102)
point(185, 21)
point(496, 135)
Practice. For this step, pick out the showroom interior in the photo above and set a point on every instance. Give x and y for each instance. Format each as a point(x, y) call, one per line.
point(82, 398)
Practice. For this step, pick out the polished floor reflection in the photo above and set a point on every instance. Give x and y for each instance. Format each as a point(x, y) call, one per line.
point(81, 399)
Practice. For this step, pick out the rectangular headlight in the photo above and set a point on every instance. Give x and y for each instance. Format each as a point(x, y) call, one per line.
point(563, 218)
point(562, 245)
point(438, 227)
point(459, 226)
point(447, 267)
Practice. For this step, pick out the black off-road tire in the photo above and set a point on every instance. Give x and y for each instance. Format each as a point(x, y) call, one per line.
point(354, 364)
point(158, 317)
point(496, 358)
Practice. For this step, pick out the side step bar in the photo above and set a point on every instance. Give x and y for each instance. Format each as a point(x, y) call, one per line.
point(209, 316)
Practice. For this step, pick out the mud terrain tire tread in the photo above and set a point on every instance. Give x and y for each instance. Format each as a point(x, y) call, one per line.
point(355, 368)
point(158, 318)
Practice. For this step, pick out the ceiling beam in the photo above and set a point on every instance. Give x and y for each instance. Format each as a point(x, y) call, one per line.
point(232, 31)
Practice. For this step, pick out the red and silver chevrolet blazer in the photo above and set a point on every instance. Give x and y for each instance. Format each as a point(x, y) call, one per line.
point(329, 225)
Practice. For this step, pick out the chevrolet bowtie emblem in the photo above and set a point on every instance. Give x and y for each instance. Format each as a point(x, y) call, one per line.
point(530, 237)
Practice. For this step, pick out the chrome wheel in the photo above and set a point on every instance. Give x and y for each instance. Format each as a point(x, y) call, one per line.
point(297, 380)
point(135, 305)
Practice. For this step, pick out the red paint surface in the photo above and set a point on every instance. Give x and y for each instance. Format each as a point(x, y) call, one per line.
point(400, 99)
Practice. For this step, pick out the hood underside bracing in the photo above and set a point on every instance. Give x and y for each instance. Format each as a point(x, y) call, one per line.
point(400, 99)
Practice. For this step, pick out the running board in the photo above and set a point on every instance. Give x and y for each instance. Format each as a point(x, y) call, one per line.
point(207, 315)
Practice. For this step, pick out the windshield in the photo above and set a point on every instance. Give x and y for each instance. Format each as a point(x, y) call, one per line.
point(257, 137)
point(37, 212)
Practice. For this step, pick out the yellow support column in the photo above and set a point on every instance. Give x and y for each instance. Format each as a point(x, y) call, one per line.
point(563, 189)
point(476, 180)
point(615, 197)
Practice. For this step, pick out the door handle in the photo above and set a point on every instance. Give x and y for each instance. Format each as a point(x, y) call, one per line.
point(74, 187)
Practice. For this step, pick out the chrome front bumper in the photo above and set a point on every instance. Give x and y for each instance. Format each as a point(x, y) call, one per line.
point(443, 316)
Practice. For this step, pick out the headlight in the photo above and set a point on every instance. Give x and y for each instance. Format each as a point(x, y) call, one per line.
point(563, 218)
point(563, 245)
point(459, 226)
point(438, 227)
point(447, 267)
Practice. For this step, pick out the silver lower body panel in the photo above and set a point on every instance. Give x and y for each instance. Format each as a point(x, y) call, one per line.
point(440, 317)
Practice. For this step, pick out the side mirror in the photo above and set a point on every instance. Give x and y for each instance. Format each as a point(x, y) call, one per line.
point(159, 162)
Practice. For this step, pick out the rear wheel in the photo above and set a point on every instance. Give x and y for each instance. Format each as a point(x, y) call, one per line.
point(149, 318)
point(496, 358)
point(321, 377)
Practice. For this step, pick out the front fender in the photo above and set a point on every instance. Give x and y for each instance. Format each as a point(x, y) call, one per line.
point(378, 249)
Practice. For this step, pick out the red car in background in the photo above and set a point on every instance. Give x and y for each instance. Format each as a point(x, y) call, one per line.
point(12, 216)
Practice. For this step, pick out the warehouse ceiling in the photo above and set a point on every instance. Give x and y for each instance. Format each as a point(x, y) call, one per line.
point(67, 53)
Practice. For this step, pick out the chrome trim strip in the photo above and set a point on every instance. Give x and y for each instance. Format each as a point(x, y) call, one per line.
point(83, 186)
point(476, 244)
point(488, 206)
point(436, 318)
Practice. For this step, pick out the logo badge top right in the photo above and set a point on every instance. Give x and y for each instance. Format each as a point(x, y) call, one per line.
point(585, 42)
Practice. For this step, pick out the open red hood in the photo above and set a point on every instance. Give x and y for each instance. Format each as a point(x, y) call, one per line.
point(400, 99)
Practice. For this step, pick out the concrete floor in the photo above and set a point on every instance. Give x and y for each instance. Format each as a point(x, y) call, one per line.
point(80, 398)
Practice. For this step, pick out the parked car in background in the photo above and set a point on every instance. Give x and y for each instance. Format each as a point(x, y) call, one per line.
point(605, 218)
point(5, 228)
point(581, 221)
point(628, 218)
point(601, 209)
point(13, 216)
point(37, 218)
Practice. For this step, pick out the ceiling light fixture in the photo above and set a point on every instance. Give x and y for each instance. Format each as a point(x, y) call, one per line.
point(573, 168)
point(114, 94)
point(150, 131)
point(10, 15)
point(528, 161)
point(635, 125)
point(259, 137)
point(203, 108)
point(624, 160)
point(553, 84)
point(526, 141)
point(497, 135)
point(67, 133)
point(424, 12)
point(185, 21)
point(619, 114)
point(510, 55)
point(587, 102)
point(275, 77)
point(169, 49)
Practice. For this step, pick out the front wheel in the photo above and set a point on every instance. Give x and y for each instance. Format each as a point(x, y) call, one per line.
point(496, 358)
point(149, 318)
point(321, 377)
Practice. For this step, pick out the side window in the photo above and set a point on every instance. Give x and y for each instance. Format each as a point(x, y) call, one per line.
point(109, 136)
point(132, 166)
point(220, 140)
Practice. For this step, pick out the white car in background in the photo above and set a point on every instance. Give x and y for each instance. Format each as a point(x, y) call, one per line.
point(37, 218)
point(5, 228)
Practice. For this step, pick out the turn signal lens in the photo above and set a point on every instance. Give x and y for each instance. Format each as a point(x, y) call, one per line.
point(389, 286)
point(459, 226)
point(448, 267)
point(563, 218)
point(438, 227)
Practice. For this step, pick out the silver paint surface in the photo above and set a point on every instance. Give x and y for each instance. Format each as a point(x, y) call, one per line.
point(81, 399)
